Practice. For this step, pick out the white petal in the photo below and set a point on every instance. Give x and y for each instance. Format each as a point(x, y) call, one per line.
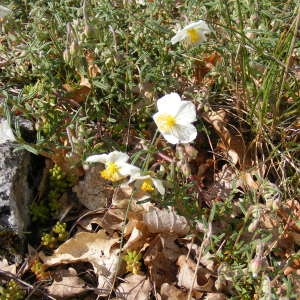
point(118, 157)
point(170, 138)
point(102, 158)
point(169, 103)
point(155, 117)
point(200, 25)
point(137, 177)
point(128, 169)
point(186, 113)
point(159, 186)
point(184, 133)
point(178, 37)
point(4, 11)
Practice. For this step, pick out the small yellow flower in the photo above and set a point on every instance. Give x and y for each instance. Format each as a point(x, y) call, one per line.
point(111, 172)
point(116, 166)
point(147, 186)
point(193, 34)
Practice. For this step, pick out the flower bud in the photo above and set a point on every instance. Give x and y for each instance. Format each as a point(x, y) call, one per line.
point(191, 151)
point(255, 266)
point(74, 48)
point(67, 56)
point(253, 225)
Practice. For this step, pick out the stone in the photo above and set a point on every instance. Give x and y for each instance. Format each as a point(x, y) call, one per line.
point(20, 172)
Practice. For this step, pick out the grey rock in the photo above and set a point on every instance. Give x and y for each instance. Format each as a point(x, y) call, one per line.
point(19, 177)
point(15, 194)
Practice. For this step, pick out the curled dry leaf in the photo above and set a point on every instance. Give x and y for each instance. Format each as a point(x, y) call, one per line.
point(4, 266)
point(170, 292)
point(159, 221)
point(110, 220)
point(135, 241)
point(185, 276)
point(66, 284)
point(135, 287)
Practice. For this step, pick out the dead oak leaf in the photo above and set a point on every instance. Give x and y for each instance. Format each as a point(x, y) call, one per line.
point(160, 259)
point(93, 247)
point(186, 273)
point(66, 284)
point(135, 287)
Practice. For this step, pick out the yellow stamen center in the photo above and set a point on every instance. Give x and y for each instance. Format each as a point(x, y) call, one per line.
point(111, 172)
point(193, 35)
point(166, 122)
point(147, 186)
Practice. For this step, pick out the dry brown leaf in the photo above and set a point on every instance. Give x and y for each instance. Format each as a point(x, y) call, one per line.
point(217, 120)
point(203, 67)
point(170, 292)
point(159, 221)
point(111, 220)
point(160, 259)
point(80, 93)
point(135, 241)
point(187, 269)
point(95, 248)
point(93, 68)
point(66, 284)
point(4, 266)
point(207, 260)
point(213, 58)
point(135, 287)
point(232, 144)
point(246, 180)
point(84, 246)
point(215, 296)
point(296, 237)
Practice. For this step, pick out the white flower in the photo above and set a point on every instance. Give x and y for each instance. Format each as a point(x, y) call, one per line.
point(116, 166)
point(4, 11)
point(174, 118)
point(148, 184)
point(194, 33)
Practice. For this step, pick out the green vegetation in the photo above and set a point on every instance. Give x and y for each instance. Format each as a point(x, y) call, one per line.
point(88, 75)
